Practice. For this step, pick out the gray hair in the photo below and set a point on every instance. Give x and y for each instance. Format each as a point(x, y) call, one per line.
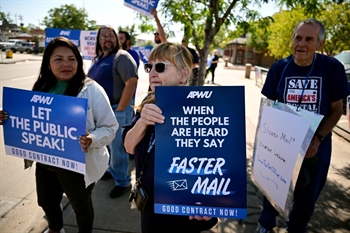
point(312, 22)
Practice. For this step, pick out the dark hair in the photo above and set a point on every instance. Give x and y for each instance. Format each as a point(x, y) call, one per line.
point(127, 35)
point(98, 48)
point(47, 79)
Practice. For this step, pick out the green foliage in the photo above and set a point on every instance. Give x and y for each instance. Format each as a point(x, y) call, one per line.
point(281, 31)
point(4, 18)
point(336, 19)
point(69, 17)
point(337, 31)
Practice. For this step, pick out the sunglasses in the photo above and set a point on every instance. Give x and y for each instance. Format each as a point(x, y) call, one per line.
point(160, 67)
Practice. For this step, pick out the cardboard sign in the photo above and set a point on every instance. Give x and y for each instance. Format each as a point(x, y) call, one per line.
point(282, 138)
point(45, 128)
point(200, 152)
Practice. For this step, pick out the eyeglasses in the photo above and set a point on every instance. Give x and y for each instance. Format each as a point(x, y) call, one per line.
point(107, 37)
point(156, 34)
point(160, 67)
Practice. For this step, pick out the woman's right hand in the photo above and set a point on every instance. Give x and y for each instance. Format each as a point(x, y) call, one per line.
point(151, 114)
point(3, 116)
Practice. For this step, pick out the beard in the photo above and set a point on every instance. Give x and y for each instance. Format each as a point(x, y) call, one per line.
point(124, 45)
point(157, 40)
point(108, 48)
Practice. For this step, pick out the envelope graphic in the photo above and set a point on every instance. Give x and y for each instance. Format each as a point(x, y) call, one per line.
point(177, 185)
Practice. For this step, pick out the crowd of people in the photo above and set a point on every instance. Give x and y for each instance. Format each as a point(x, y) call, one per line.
point(116, 128)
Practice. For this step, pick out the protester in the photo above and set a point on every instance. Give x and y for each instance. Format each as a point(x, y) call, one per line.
point(115, 70)
point(170, 65)
point(62, 73)
point(324, 78)
point(213, 64)
point(159, 35)
point(125, 41)
point(195, 61)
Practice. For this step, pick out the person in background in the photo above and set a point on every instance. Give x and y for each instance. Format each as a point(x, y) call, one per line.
point(326, 80)
point(159, 35)
point(213, 64)
point(125, 41)
point(170, 65)
point(115, 70)
point(62, 73)
point(195, 61)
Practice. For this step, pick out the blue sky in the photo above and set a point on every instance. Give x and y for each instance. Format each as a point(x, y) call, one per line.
point(104, 12)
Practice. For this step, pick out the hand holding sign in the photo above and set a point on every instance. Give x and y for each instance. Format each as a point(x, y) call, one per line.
point(3, 116)
point(85, 141)
point(151, 114)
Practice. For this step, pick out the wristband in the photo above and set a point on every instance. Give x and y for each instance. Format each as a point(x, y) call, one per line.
point(320, 137)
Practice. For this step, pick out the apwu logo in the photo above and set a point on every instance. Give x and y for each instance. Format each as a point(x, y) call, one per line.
point(199, 94)
point(64, 33)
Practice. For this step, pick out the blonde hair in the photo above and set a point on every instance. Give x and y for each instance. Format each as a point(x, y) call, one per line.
point(174, 53)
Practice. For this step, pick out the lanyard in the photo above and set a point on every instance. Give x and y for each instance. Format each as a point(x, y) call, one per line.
point(306, 79)
point(152, 140)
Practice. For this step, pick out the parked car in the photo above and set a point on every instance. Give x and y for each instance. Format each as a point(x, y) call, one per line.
point(11, 44)
point(28, 47)
point(344, 58)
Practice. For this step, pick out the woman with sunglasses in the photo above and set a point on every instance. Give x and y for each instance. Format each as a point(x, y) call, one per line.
point(169, 65)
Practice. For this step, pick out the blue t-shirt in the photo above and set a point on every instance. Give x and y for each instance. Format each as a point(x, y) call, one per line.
point(327, 83)
point(136, 57)
point(112, 72)
point(102, 72)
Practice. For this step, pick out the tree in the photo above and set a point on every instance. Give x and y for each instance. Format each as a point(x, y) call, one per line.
point(3, 18)
point(203, 20)
point(337, 31)
point(69, 17)
point(281, 31)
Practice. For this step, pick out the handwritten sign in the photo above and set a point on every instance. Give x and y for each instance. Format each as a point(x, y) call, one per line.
point(282, 138)
point(142, 6)
point(200, 157)
point(45, 128)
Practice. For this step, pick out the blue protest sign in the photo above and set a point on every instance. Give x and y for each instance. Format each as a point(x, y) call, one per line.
point(141, 6)
point(143, 51)
point(200, 152)
point(71, 34)
point(45, 128)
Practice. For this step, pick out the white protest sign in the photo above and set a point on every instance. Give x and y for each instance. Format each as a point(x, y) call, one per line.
point(282, 138)
point(88, 44)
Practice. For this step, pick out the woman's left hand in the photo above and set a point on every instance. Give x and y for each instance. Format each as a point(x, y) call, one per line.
point(85, 141)
point(206, 218)
point(3, 116)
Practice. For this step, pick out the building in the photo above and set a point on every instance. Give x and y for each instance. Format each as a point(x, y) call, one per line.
point(238, 53)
